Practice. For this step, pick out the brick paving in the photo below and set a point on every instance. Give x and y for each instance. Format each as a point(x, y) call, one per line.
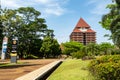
point(13, 72)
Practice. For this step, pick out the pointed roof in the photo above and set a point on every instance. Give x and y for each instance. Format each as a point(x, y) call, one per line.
point(82, 24)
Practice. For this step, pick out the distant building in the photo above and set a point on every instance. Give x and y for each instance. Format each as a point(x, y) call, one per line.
point(83, 33)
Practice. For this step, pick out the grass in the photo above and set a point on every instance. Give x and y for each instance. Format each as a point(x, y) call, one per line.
point(72, 70)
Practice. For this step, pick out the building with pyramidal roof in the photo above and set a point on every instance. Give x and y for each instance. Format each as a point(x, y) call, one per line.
point(83, 33)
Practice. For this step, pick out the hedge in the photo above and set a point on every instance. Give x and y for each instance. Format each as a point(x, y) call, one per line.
point(106, 67)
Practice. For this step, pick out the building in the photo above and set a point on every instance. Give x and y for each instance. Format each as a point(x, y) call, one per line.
point(83, 33)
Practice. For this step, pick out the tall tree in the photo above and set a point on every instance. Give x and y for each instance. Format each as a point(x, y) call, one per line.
point(56, 50)
point(111, 21)
point(30, 26)
point(50, 47)
point(25, 24)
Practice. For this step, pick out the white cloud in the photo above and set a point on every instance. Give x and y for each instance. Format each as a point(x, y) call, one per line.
point(9, 4)
point(99, 9)
point(91, 2)
point(55, 11)
point(42, 1)
point(53, 7)
point(99, 6)
point(46, 7)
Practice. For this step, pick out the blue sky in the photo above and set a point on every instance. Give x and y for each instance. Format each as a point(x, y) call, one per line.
point(63, 15)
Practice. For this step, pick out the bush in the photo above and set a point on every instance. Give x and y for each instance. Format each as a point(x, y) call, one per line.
point(88, 57)
point(81, 55)
point(78, 54)
point(115, 51)
point(106, 67)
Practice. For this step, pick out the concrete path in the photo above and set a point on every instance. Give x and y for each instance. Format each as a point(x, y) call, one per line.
point(22, 68)
point(39, 72)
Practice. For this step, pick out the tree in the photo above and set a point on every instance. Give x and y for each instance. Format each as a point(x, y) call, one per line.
point(1, 31)
point(1, 35)
point(25, 24)
point(56, 50)
point(50, 47)
point(35, 47)
point(30, 26)
point(70, 47)
point(111, 21)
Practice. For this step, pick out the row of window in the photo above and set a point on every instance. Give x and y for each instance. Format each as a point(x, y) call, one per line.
point(82, 40)
point(82, 35)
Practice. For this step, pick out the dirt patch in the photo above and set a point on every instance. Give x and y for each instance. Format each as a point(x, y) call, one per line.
point(13, 72)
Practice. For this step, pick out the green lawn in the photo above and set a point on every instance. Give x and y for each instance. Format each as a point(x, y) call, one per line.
point(72, 70)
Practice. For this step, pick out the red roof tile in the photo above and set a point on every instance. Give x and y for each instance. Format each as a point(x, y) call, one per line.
point(81, 23)
point(76, 30)
point(90, 30)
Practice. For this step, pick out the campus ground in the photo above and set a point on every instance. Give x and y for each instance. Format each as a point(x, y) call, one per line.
point(23, 67)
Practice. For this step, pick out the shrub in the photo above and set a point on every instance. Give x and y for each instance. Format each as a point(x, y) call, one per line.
point(82, 55)
point(115, 51)
point(88, 57)
point(78, 54)
point(106, 67)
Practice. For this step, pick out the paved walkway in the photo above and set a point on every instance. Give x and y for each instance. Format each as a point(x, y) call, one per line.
point(13, 72)
point(39, 73)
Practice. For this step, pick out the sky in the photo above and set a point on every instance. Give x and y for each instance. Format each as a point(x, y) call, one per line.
point(63, 15)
